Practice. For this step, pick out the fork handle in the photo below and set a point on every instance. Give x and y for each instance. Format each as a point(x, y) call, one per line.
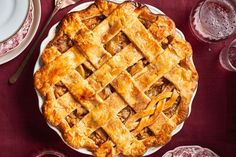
point(17, 74)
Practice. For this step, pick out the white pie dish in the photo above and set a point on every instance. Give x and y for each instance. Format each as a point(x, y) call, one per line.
point(13, 14)
point(38, 64)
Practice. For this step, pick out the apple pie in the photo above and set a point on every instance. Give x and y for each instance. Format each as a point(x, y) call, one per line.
point(116, 79)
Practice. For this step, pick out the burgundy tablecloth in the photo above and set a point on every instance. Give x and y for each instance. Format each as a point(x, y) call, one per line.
point(212, 123)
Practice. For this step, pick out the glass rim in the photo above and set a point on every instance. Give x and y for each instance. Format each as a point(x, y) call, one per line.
point(201, 4)
point(227, 53)
point(194, 31)
point(50, 152)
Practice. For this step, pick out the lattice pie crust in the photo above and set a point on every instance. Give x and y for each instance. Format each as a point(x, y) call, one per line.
point(116, 79)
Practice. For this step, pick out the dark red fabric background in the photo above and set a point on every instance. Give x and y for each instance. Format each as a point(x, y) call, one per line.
point(212, 123)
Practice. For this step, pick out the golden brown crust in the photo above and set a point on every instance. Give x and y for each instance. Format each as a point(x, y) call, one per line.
point(116, 79)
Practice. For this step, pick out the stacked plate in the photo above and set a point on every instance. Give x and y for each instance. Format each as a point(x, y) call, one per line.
point(19, 20)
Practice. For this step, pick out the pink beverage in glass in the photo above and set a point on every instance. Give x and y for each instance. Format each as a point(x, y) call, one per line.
point(228, 57)
point(213, 20)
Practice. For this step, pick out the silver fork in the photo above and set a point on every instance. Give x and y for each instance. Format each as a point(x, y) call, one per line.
point(59, 4)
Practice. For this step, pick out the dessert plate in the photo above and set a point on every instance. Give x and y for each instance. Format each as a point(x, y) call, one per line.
point(13, 14)
point(19, 36)
point(38, 64)
point(36, 14)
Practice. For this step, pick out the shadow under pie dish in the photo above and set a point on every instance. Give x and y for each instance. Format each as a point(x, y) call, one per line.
point(116, 79)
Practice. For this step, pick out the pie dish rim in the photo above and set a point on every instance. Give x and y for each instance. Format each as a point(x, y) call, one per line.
point(38, 64)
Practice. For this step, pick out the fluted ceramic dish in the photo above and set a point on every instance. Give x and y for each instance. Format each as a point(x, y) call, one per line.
point(38, 64)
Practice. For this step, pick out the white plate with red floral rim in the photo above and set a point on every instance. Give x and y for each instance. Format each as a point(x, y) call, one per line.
point(16, 44)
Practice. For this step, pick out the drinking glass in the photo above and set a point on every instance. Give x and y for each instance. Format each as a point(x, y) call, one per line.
point(227, 57)
point(213, 20)
point(49, 153)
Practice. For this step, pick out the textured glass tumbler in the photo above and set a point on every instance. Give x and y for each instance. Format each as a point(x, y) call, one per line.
point(227, 57)
point(50, 153)
point(213, 20)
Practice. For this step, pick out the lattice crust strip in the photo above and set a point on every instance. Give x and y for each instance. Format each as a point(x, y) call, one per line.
point(116, 79)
